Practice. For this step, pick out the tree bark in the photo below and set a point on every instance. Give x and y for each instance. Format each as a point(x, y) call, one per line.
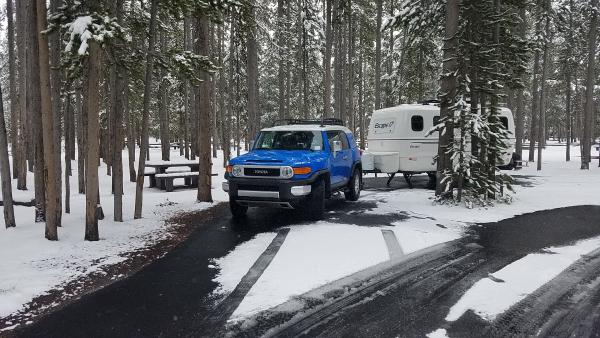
point(327, 61)
point(205, 165)
point(163, 115)
point(92, 151)
point(543, 91)
point(146, 110)
point(14, 102)
point(118, 90)
point(448, 88)
point(7, 198)
point(51, 175)
point(55, 88)
point(586, 140)
point(535, 96)
point(378, 55)
point(19, 97)
point(35, 110)
point(519, 113)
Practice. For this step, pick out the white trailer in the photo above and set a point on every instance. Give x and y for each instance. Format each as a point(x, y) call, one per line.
point(398, 141)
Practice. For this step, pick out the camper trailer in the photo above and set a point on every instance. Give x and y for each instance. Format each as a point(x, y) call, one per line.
point(398, 140)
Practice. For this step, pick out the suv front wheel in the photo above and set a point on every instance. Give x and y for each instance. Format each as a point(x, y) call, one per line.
point(237, 210)
point(352, 193)
point(315, 205)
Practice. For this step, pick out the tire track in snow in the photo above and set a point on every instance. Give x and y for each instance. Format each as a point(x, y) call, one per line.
point(391, 241)
point(224, 310)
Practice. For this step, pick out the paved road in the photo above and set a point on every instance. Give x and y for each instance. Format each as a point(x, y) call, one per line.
point(171, 296)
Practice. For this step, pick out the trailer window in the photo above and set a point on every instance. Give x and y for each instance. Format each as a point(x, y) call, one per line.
point(504, 121)
point(416, 122)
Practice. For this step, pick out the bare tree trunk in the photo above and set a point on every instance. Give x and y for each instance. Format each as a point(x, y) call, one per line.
point(146, 111)
point(205, 165)
point(535, 96)
point(282, 56)
point(34, 107)
point(14, 103)
point(448, 88)
point(81, 136)
point(378, 55)
point(163, 115)
point(361, 95)
point(51, 175)
point(68, 151)
point(55, 87)
point(252, 79)
point(543, 93)
point(20, 97)
point(7, 199)
point(520, 121)
point(586, 140)
point(224, 119)
point(118, 92)
point(327, 61)
point(92, 151)
point(351, 56)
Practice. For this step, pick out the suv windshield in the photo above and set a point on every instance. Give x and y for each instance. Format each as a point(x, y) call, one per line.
point(289, 140)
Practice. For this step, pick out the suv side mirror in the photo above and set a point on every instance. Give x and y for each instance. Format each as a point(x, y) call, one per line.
point(337, 146)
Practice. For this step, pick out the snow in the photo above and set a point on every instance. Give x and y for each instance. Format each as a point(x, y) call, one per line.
point(319, 253)
point(439, 333)
point(178, 174)
point(34, 265)
point(488, 298)
point(311, 256)
point(79, 27)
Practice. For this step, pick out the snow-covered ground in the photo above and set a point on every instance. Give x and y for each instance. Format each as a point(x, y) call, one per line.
point(32, 265)
point(312, 255)
point(315, 254)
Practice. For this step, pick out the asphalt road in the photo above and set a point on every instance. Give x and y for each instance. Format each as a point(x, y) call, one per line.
point(171, 297)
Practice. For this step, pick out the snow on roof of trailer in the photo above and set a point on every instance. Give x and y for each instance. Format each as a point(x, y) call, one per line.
point(412, 107)
point(409, 108)
point(306, 127)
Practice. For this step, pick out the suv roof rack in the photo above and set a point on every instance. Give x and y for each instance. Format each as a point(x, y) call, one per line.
point(430, 101)
point(321, 122)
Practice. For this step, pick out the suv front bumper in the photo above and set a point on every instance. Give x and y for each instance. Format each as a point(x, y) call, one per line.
point(269, 192)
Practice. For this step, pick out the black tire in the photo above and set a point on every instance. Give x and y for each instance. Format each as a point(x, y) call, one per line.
point(315, 204)
point(237, 210)
point(352, 193)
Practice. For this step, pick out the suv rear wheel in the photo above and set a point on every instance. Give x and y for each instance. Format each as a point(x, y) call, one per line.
point(237, 210)
point(352, 193)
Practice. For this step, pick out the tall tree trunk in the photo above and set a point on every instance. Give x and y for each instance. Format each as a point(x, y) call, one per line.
point(55, 87)
point(146, 110)
point(519, 113)
point(389, 98)
point(14, 103)
point(282, 56)
point(92, 151)
point(118, 92)
point(543, 91)
point(68, 150)
point(7, 198)
point(448, 88)
point(351, 56)
point(225, 120)
point(327, 61)
point(205, 168)
point(163, 115)
point(35, 110)
point(586, 140)
point(252, 78)
point(19, 97)
point(361, 99)
point(378, 55)
point(535, 95)
point(51, 175)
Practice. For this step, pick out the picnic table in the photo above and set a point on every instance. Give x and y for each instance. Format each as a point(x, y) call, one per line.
point(160, 167)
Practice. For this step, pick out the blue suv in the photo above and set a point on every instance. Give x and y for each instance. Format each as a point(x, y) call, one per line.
point(295, 166)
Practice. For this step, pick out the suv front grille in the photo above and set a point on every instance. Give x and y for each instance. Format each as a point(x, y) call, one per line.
point(253, 187)
point(262, 172)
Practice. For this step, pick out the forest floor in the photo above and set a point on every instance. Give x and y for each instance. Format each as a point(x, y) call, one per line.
point(386, 222)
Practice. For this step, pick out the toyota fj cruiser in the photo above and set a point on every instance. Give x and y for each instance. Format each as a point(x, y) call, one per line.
point(295, 166)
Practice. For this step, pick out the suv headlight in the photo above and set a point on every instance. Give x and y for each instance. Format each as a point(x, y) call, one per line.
point(237, 171)
point(287, 172)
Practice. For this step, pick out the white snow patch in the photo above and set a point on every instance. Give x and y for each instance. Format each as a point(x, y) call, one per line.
point(311, 256)
point(236, 264)
point(439, 333)
point(488, 298)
